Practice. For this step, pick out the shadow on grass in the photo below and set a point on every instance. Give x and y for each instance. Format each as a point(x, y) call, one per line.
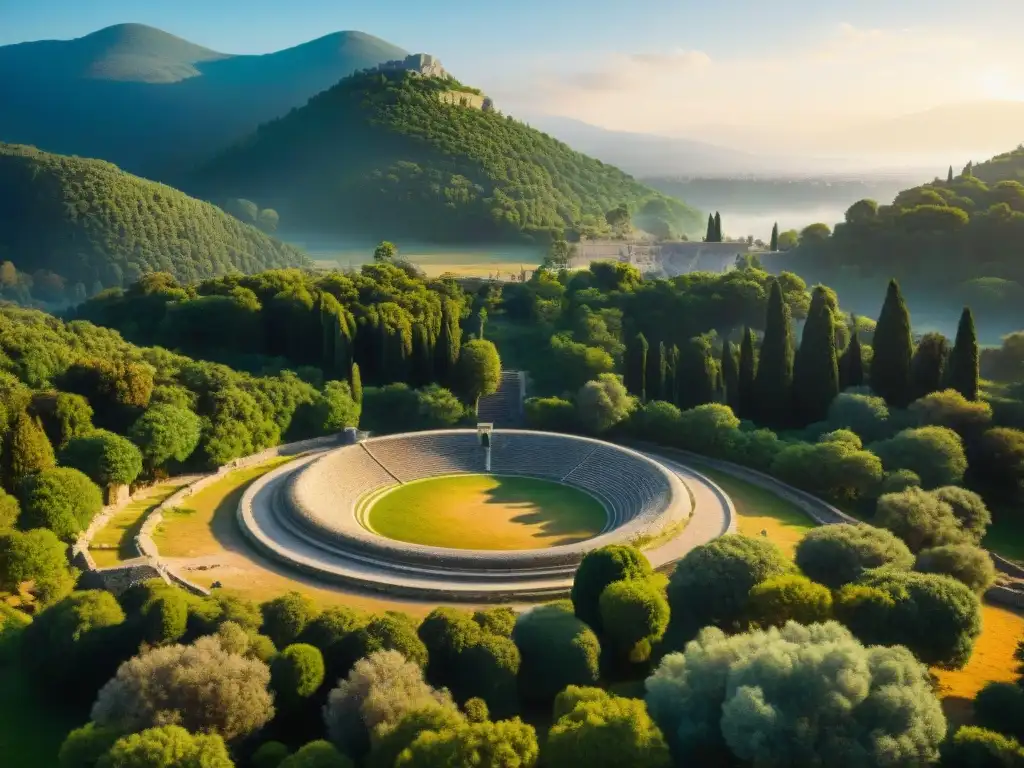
point(558, 512)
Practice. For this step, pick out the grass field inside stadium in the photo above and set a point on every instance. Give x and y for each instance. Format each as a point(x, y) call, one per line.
point(486, 512)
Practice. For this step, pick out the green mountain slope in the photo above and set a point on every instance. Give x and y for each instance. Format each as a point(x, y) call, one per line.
point(387, 155)
point(95, 226)
point(152, 102)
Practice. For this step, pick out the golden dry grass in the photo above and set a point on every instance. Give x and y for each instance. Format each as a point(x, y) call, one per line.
point(123, 526)
point(487, 512)
point(205, 535)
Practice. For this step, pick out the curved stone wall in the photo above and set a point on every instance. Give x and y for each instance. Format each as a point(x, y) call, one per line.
point(307, 514)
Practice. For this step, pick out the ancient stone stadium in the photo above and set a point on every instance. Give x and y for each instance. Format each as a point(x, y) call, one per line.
point(449, 515)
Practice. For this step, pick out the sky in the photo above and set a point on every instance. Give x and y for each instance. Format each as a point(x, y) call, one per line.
point(740, 71)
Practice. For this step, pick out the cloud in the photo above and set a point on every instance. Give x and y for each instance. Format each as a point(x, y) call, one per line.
point(845, 75)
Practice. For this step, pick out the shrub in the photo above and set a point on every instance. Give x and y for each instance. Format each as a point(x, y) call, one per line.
point(9, 512)
point(900, 480)
point(935, 454)
point(389, 744)
point(951, 409)
point(997, 462)
point(711, 583)
point(379, 691)
point(1000, 708)
point(634, 615)
point(789, 597)
point(599, 568)
point(496, 621)
point(296, 673)
point(476, 710)
point(866, 415)
point(504, 743)
point(490, 669)
point(607, 731)
point(791, 696)
point(835, 555)
point(317, 754)
point(165, 616)
point(656, 421)
point(286, 616)
point(168, 746)
point(947, 638)
point(63, 500)
point(39, 557)
point(76, 644)
point(446, 633)
point(833, 469)
point(551, 414)
point(329, 633)
point(106, 458)
point(199, 686)
point(966, 563)
point(386, 633)
point(969, 508)
point(556, 650)
point(920, 518)
point(973, 747)
point(84, 746)
point(269, 755)
point(709, 429)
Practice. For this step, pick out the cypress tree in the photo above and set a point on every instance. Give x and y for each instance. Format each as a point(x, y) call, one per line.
point(894, 349)
point(676, 361)
point(422, 360)
point(697, 373)
point(851, 364)
point(718, 227)
point(710, 236)
point(636, 367)
point(656, 372)
point(730, 376)
point(773, 384)
point(28, 451)
point(928, 365)
point(816, 369)
point(775, 238)
point(745, 392)
point(671, 393)
point(449, 343)
point(964, 360)
point(949, 176)
point(356, 383)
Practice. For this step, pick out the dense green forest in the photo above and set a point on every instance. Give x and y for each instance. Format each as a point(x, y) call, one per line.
point(383, 154)
point(71, 227)
point(951, 240)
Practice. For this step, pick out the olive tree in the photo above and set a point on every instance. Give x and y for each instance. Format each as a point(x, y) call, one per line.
point(795, 696)
point(968, 508)
point(286, 616)
point(199, 686)
point(377, 693)
point(296, 673)
point(391, 742)
point(835, 555)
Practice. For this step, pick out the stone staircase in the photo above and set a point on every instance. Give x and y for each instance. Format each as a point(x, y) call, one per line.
point(504, 408)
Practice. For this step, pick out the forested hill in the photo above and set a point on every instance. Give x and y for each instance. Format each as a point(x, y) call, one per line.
point(387, 155)
point(955, 239)
point(70, 227)
point(156, 104)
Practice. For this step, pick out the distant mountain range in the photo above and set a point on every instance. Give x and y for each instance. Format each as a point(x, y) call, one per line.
point(154, 103)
